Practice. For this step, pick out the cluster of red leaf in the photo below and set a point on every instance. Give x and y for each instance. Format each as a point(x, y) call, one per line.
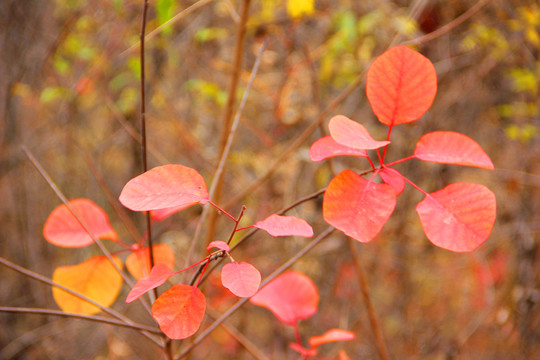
point(162, 190)
point(401, 86)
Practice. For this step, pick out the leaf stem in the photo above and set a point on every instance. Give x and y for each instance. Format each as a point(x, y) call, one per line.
point(222, 211)
point(400, 161)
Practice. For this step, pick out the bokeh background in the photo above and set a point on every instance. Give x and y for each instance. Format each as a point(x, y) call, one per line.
point(69, 91)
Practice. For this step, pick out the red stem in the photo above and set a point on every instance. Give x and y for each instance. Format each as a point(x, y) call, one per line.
point(400, 161)
point(223, 211)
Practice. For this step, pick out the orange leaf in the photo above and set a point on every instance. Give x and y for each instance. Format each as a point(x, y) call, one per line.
point(331, 336)
point(459, 217)
point(448, 147)
point(96, 278)
point(138, 262)
point(352, 134)
point(165, 187)
point(179, 311)
point(358, 207)
point(291, 296)
point(401, 85)
point(63, 229)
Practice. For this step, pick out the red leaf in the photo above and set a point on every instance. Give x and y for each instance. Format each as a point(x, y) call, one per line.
point(352, 134)
point(326, 147)
point(277, 225)
point(179, 311)
point(448, 147)
point(242, 278)
point(401, 85)
point(159, 274)
point(221, 245)
point(63, 229)
point(305, 352)
point(394, 179)
point(331, 336)
point(138, 262)
point(164, 187)
point(459, 217)
point(358, 207)
point(162, 214)
point(291, 296)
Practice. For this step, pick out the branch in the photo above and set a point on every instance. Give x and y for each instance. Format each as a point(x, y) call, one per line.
point(100, 319)
point(450, 26)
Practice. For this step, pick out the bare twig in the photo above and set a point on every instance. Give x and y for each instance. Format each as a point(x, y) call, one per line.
point(225, 154)
point(228, 112)
point(49, 282)
point(450, 26)
point(168, 23)
point(100, 319)
point(373, 321)
point(299, 141)
point(143, 134)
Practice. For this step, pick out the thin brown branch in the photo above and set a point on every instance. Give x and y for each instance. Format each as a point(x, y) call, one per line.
point(99, 319)
point(450, 26)
point(241, 302)
point(228, 112)
point(143, 134)
point(49, 282)
point(63, 198)
point(373, 321)
point(182, 14)
point(299, 141)
point(225, 154)
point(238, 336)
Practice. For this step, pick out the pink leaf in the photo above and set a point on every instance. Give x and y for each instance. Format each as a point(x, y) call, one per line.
point(401, 85)
point(358, 207)
point(305, 352)
point(277, 225)
point(242, 278)
point(394, 179)
point(221, 245)
point(448, 147)
point(179, 311)
point(138, 262)
point(326, 147)
point(162, 214)
point(352, 134)
point(63, 229)
point(164, 187)
point(291, 296)
point(331, 336)
point(459, 217)
point(159, 274)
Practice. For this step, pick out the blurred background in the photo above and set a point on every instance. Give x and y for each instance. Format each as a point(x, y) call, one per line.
point(69, 91)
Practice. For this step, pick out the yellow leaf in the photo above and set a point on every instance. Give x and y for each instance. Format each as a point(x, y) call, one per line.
point(138, 262)
point(297, 8)
point(95, 278)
